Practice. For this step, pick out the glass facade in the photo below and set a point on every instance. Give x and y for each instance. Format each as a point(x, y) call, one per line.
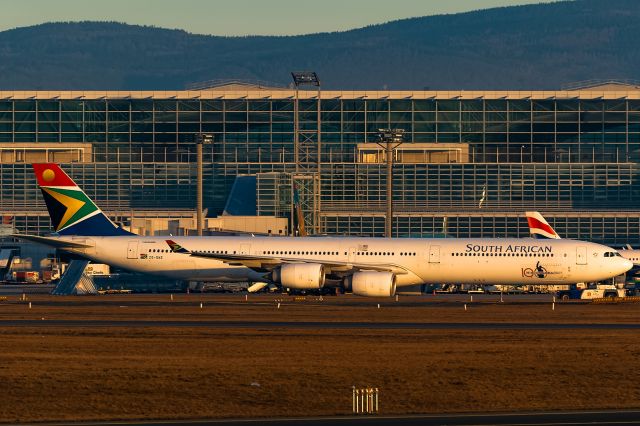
point(471, 164)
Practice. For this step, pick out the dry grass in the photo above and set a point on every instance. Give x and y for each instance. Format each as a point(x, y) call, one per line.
point(56, 373)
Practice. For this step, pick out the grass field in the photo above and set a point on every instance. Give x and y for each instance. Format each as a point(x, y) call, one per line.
point(94, 373)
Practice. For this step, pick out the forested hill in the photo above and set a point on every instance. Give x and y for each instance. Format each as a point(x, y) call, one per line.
point(524, 47)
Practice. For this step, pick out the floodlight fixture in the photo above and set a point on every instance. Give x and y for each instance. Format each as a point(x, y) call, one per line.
point(391, 135)
point(389, 139)
point(305, 77)
point(204, 138)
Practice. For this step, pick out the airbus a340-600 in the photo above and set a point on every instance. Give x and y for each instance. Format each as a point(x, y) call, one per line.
point(366, 266)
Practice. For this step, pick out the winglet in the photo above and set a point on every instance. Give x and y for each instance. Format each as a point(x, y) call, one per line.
point(539, 228)
point(177, 248)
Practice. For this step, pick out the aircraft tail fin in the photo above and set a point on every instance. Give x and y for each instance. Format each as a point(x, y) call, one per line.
point(539, 227)
point(72, 212)
point(176, 248)
point(299, 228)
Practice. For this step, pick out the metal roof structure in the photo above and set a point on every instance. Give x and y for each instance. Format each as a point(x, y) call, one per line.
point(233, 92)
point(603, 84)
point(234, 84)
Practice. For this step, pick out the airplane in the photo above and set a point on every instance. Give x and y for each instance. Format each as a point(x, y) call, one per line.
point(540, 228)
point(376, 266)
point(632, 254)
point(367, 266)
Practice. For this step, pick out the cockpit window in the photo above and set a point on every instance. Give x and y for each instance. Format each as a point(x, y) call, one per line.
point(612, 254)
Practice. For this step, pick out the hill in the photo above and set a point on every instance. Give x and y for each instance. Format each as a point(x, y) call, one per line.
point(522, 47)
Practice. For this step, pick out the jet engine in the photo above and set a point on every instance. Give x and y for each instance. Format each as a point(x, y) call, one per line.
point(301, 276)
point(372, 283)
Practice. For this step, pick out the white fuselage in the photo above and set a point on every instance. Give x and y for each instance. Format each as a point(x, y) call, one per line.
point(633, 255)
point(425, 260)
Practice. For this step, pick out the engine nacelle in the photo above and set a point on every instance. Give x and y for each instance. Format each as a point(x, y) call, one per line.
point(301, 276)
point(373, 284)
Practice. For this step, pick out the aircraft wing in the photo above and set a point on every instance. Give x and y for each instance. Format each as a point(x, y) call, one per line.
point(268, 263)
point(51, 241)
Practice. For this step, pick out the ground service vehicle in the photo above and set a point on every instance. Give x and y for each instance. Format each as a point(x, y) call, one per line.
point(596, 291)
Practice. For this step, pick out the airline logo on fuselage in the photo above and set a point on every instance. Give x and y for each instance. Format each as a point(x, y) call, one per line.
point(509, 248)
point(539, 271)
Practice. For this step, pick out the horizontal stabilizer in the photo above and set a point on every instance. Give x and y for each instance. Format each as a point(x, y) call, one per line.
point(51, 241)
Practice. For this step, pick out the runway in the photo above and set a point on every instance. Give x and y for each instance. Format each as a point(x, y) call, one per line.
point(15, 289)
point(316, 325)
point(623, 417)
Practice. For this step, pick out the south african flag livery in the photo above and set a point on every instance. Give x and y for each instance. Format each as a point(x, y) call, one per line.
point(71, 211)
point(539, 227)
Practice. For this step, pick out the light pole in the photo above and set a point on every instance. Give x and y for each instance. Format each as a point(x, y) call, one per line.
point(389, 139)
point(201, 139)
point(307, 147)
point(304, 78)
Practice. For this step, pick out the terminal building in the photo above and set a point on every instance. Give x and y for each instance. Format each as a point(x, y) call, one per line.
point(471, 163)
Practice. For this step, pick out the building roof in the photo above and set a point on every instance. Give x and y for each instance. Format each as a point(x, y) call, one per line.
point(235, 92)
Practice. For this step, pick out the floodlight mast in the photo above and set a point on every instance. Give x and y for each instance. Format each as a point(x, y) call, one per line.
point(303, 78)
point(389, 140)
point(200, 139)
point(307, 157)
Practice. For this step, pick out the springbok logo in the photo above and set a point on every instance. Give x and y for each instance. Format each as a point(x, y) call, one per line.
point(539, 272)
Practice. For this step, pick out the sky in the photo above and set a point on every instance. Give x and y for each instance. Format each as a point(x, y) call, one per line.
point(237, 17)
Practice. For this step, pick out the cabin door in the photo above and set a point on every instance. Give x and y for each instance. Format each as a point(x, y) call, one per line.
point(434, 254)
point(132, 250)
point(581, 255)
point(352, 255)
point(245, 248)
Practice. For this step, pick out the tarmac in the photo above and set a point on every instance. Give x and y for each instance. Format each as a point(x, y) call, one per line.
point(617, 417)
point(308, 325)
point(622, 417)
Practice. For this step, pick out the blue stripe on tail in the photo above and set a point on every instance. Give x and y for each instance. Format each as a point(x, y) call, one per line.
point(98, 226)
